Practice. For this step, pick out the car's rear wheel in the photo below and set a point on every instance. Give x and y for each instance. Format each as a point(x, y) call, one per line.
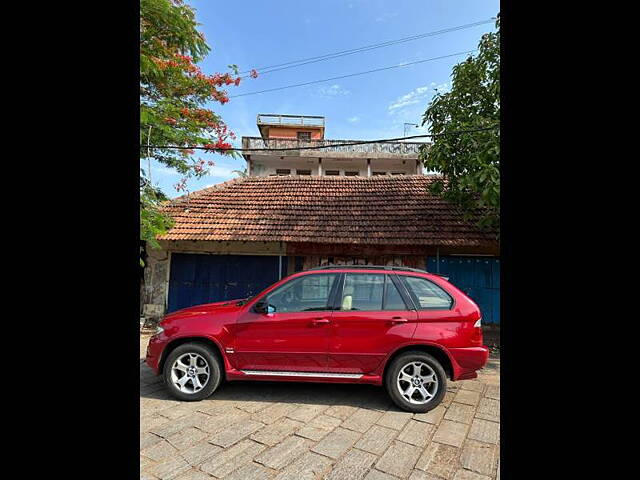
point(416, 382)
point(192, 372)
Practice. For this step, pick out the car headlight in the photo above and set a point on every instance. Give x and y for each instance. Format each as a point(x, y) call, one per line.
point(478, 323)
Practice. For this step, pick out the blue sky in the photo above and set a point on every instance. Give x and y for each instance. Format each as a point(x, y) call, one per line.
point(253, 34)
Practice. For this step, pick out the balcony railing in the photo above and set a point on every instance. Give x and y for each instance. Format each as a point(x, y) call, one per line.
point(299, 120)
point(405, 149)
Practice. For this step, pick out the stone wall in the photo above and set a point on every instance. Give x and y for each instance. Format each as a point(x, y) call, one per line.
point(156, 283)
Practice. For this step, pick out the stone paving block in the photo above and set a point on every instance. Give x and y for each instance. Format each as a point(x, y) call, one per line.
point(276, 432)
point(150, 422)
point(284, 453)
point(432, 416)
point(147, 439)
point(216, 423)
point(336, 443)
point(159, 451)
point(234, 433)
point(493, 391)
point(306, 413)
point(179, 411)
point(479, 457)
point(145, 463)
point(361, 420)
point(378, 475)
point(376, 440)
point(467, 475)
point(251, 471)
point(416, 433)
point(447, 399)
point(196, 419)
point(217, 407)
point(200, 453)
point(340, 411)
point(489, 409)
point(459, 412)
point(273, 412)
point(186, 438)
point(394, 419)
point(309, 466)
point(399, 459)
point(420, 475)
point(194, 475)
point(451, 433)
point(232, 458)
point(170, 468)
point(474, 385)
point(353, 466)
point(467, 397)
point(319, 427)
point(439, 459)
point(484, 431)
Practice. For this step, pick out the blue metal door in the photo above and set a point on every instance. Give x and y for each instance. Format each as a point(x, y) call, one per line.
point(478, 277)
point(197, 278)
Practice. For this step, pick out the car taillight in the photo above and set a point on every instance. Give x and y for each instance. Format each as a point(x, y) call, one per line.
point(476, 336)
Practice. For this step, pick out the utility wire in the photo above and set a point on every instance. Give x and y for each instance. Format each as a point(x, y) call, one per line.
point(319, 147)
point(352, 74)
point(365, 48)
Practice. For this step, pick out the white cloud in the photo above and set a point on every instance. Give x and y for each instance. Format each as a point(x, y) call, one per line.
point(415, 96)
point(353, 119)
point(332, 91)
point(385, 17)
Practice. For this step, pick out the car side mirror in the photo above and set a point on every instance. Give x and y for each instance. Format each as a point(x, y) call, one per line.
point(262, 306)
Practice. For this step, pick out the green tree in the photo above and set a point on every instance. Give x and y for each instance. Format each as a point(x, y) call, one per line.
point(469, 162)
point(174, 94)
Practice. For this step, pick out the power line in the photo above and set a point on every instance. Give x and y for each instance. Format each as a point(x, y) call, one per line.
point(352, 74)
point(319, 147)
point(365, 48)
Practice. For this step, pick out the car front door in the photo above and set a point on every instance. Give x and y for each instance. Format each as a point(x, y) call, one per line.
point(293, 335)
point(371, 320)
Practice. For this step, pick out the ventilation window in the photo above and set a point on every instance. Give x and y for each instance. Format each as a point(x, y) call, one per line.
point(351, 174)
point(379, 173)
point(303, 172)
point(304, 136)
point(397, 173)
point(332, 172)
point(283, 171)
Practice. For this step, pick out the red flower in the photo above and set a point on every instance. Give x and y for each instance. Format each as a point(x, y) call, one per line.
point(237, 82)
point(253, 74)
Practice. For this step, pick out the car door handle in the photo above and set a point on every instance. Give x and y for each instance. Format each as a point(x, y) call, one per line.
point(399, 320)
point(320, 321)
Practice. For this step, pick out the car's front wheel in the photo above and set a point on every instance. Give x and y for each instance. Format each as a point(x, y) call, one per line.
point(416, 381)
point(192, 372)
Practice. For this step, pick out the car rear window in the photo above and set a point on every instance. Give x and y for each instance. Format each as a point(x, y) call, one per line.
point(426, 294)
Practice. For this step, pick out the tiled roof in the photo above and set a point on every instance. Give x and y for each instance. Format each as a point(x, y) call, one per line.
point(396, 210)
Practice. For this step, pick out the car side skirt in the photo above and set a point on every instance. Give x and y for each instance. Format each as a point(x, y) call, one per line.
point(314, 377)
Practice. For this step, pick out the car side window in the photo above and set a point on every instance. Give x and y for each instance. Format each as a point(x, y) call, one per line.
point(303, 294)
point(362, 292)
point(426, 294)
point(392, 298)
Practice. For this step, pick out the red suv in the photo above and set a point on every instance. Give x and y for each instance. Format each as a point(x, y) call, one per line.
point(405, 328)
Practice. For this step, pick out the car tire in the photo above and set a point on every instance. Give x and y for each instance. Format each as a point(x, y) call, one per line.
point(200, 363)
point(408, 395)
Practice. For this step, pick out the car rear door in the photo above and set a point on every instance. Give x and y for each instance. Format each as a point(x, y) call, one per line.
point(371, 318)
point(294, 336)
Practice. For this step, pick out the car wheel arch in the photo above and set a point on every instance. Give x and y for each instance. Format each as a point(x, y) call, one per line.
point(435, 350)
point(210, 342)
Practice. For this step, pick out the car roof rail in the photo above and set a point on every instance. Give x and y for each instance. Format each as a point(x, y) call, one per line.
point(373, 267)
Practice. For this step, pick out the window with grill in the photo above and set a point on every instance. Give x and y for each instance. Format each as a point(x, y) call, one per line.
point(332, 172)
point(283, 171)
point(397, 173)
point(304, 136)
point(303, 172)
point(379, 173)
point(351, 174)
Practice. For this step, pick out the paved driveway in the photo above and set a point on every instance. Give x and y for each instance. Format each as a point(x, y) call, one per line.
point(295, 431)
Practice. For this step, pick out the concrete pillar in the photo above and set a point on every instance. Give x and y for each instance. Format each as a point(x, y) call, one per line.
point(368, 167)
point(319, 167)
